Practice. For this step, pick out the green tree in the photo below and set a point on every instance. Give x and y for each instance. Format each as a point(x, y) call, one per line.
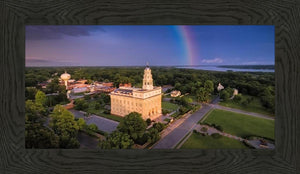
point(153, 135)
point(36, 135)
point(237, 98)
point(148, 121)
point(133, 125)
point(63, 124)
point(81, 104)
point(117, 140)
point(97, 106)
point(224, 95)
point(201, 95)
point(81, 124)
point(158, 126)
point(30, 93)
point(93, 127)
point(40, 98)
point(209, 86)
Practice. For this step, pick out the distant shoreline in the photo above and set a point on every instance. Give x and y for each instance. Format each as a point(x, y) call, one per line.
point(167, 66)
point(248, 66)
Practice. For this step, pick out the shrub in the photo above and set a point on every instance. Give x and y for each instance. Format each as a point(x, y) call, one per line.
point(87, 97)
point(195, 131)
point(165, 112)
point(97, 106)
point(92, 127)
point(106, 111)
point(216, 135)
point(158, 126)
point(219, 128)
point(148, 121)
point(237, 98)
point(204, 129)
point(245, 103)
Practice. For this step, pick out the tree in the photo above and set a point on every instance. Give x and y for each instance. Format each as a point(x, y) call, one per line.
point(63, 124)
point(87, 97)
point(133, 125)
point(97, 106)
point(81, 104)
point(53, 86)
point(81, 124)
point(30, 93)
point(40, 98)
point(225, 95)
point(201, 94)
point(237, 98)
point(153, 135)
point(209, 86)
point(93, 127)
point(117, 140)
point(36, 135)
point(158, 126)
point(148, 121)
point(33, 112)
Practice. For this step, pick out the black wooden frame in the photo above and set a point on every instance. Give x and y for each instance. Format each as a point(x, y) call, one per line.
point(15, 14)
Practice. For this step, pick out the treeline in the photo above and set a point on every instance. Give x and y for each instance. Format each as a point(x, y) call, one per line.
point(185, 80)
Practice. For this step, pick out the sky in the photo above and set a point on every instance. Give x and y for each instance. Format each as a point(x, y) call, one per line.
point(160, 45)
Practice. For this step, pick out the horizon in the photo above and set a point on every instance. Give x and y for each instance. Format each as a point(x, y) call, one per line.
point(164, 45)
point(62, 66)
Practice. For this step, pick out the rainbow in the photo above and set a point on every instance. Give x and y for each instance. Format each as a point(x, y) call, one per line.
point(189, 51)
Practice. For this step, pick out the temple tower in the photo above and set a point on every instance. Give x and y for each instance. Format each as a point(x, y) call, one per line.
point(147, 80)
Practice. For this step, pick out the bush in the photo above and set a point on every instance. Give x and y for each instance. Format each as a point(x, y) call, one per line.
point(87, 97)
point(237, 98)
point(195, 131)
point(142, 140)
point(245, 103)
point(158, 126)
point(204, 129)
point(165, 112)
point(106, 111)
point(92, 127)
point(97, 106)
point(216, 135)
point(219, 128)
point(148, 121)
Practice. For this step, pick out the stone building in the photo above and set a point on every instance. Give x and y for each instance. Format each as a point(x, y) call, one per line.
point(145, 100)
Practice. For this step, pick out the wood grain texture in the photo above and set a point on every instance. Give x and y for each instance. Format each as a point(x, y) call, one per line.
point(15, 14)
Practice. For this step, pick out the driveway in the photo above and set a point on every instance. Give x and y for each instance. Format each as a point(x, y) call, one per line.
point(177, 131)
point(102, 123)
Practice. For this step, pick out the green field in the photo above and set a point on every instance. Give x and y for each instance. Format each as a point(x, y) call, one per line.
point(169, 106)
point(240, 124)
point(197, 141)
point(253, 106)
point(99, 112)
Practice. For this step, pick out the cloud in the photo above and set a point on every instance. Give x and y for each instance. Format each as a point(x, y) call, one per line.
point(50, 32)
point(215, 60)
point(42, 62)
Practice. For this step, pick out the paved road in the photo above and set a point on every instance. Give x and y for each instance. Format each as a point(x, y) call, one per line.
point(216, 106)
point(102, 123)
point(171, 139)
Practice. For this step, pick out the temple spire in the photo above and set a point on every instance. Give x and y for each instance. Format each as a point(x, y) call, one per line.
point(147, 80)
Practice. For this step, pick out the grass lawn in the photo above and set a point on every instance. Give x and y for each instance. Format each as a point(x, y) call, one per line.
point(197, 141)
point(240, 124)
point(169, 106)
point(99, 112)
point(253, 106)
